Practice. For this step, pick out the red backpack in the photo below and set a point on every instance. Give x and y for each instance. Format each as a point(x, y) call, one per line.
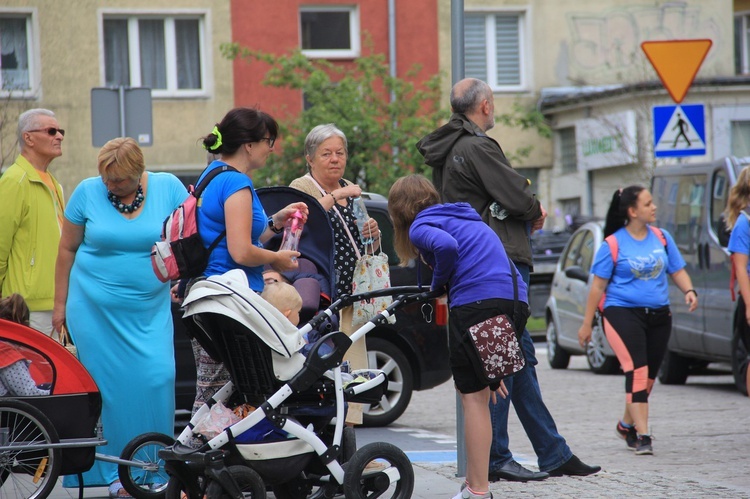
point(180, 254)
point(614, 249)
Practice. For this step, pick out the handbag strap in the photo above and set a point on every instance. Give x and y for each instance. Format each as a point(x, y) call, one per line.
point(346, 228)
point(514, 273)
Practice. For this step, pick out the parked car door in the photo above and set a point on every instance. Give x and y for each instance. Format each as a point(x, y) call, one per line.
point(567, 291)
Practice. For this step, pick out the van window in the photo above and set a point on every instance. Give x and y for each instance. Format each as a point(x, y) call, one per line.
point(689, 212)
point(719, 195)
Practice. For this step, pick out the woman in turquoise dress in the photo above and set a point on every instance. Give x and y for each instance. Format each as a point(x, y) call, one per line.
point(116, 310)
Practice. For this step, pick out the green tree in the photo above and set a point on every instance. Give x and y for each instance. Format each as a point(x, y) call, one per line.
point(382, 116)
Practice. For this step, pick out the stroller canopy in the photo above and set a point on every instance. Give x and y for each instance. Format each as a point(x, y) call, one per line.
point(230, 295)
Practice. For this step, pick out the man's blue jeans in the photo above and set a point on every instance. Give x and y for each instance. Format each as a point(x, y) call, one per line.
point(524, 392)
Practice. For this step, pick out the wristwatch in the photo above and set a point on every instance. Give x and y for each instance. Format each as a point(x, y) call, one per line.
point(272, 226)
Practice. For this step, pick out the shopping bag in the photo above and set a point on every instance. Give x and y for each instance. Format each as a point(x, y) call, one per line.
point(371, 273)
point(67, 342)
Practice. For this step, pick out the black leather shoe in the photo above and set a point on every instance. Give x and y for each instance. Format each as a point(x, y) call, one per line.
point(575, 467)
point(514, 472)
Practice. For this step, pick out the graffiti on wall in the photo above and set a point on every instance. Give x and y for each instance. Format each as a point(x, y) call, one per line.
point(610, 41)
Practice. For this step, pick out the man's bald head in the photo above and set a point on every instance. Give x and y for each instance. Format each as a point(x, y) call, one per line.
point(468, 94)
point(474, 99)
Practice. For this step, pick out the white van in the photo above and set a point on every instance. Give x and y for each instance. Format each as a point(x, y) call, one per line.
point(690, 199)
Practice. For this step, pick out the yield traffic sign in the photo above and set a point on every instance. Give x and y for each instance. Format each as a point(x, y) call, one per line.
point(676, 62)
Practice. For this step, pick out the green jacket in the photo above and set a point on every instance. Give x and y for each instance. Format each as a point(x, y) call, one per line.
point(468, 165)
point(29, 235)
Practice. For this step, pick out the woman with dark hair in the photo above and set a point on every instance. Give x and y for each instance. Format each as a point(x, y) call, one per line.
point(632, 265)
point(737, 213)
point(470, 262)
point(243, 140)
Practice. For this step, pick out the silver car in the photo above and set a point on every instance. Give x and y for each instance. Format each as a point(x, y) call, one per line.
point(567, 303)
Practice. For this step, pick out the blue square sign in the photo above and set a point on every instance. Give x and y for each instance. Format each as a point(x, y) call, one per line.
point(679, 131)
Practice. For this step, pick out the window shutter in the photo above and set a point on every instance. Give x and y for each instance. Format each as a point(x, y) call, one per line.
point(508, 50)
point(475, 46)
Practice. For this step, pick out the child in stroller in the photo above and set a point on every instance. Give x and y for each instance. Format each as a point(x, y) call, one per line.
point(15, 378)
point(295, 394)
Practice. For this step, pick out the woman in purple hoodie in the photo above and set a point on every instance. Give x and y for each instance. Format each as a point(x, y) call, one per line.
point(469, 262)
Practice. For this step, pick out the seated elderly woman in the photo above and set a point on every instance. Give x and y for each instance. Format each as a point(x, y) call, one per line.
point(326, 154)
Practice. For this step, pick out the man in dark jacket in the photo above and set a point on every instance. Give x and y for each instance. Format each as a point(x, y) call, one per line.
point(470, 166)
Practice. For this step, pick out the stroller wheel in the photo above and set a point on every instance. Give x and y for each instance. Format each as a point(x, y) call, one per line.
point(250, 483)
point(146, 478)
point(27, 473)
point(297, 488)
point(389, 476)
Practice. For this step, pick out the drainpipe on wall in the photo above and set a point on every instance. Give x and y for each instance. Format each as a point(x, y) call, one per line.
point(392, 59)
point(392, 41)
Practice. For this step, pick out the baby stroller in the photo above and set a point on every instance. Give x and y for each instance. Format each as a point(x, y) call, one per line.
point(55, 433)
point(304, 398)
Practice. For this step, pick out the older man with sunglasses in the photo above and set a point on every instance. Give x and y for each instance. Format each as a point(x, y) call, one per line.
point(31, 213)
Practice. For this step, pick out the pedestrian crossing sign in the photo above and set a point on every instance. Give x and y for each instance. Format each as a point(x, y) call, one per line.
point(679, 131)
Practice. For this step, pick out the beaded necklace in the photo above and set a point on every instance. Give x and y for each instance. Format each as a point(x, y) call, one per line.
point(127, 208)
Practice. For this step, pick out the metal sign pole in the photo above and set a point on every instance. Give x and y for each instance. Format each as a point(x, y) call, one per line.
point(121, 96)
point(457, 74)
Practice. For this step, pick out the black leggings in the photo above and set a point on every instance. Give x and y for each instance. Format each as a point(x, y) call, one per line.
point(743, 329)
point(639, 338)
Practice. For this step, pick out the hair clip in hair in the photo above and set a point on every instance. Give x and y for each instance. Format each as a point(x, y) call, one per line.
point(217, 144)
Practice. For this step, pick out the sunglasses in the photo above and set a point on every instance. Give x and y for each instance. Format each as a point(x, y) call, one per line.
point(51, 131)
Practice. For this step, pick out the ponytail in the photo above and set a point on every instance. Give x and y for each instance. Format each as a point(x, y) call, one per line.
point(617, 215)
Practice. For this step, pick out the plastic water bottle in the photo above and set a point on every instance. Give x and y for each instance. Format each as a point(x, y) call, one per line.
point(292, 232)
point(360, 213)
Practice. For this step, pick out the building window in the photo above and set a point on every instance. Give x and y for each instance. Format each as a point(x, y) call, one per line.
point(741, 44)
point(494, 49)
point(740, 138)
point(568, 158)
point(163, 53)
point(16, 55)
point(330, 32)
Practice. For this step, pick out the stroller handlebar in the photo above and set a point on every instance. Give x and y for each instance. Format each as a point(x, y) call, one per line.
point(402, 295)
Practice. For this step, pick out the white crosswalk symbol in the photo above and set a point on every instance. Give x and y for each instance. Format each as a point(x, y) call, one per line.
point(679, 134)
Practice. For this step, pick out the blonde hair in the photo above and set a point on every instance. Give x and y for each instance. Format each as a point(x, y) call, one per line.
point(408, 196)
point(739, 197)
point(283, 296)
point(14, 308)
point(121, 158)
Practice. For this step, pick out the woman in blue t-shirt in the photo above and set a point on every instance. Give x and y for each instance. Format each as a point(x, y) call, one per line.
point(632, 265)
point(736, 214)
point(244, 140)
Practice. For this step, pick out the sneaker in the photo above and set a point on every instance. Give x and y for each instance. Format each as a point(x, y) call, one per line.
point(467, 493)
point(628, 434)
point(643, 446)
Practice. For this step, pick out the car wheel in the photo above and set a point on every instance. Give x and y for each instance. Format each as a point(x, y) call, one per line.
point(674, 369)
point(385, 356)
point(740, 360)
point(557, 357)
point(599, 361)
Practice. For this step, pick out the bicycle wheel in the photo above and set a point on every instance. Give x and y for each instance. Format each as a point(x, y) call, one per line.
point(24, 472)
point(148, 479)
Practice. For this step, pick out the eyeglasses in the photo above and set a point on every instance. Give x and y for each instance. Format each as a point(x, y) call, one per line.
point(51, 131)
point(271, 141)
